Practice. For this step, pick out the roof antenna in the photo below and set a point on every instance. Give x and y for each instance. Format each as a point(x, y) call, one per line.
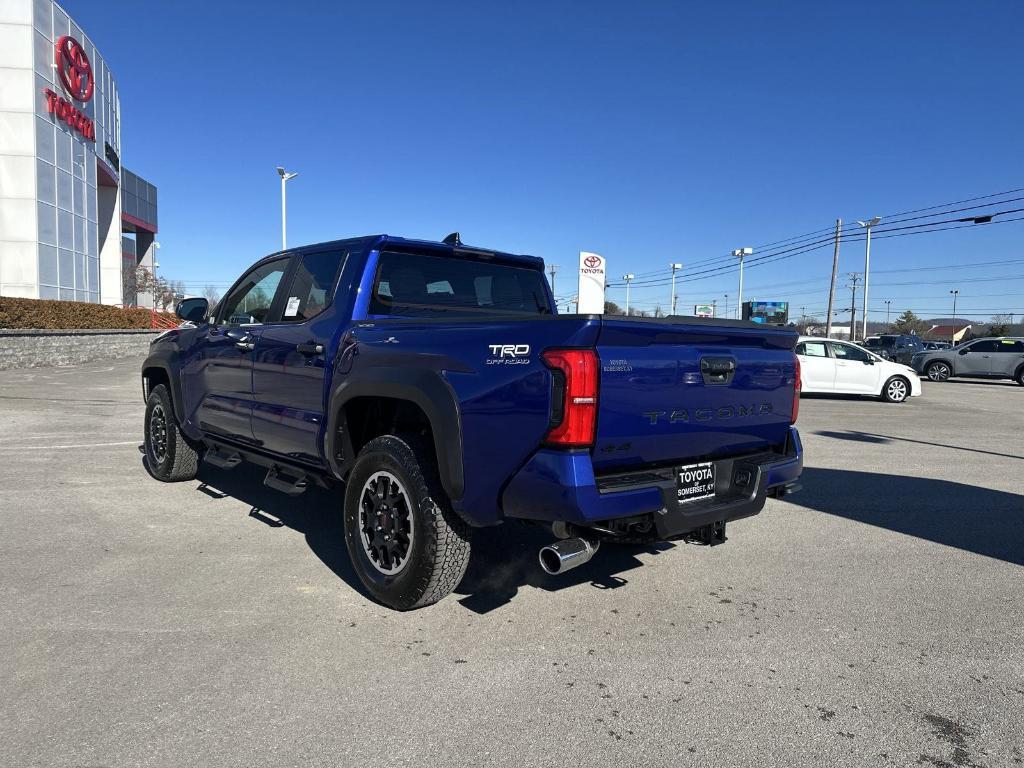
point(453, 239)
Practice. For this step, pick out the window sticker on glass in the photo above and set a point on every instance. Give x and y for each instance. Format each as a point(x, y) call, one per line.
point(292, 309)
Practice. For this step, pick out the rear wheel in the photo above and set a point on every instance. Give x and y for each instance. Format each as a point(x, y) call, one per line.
point(1019, 376)
point(169, 455)
point(896, 390)
point(407, 545)
point(939, 371)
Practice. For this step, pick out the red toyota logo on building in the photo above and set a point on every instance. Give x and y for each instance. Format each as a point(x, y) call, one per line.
point(593, 262)
point(74, 68)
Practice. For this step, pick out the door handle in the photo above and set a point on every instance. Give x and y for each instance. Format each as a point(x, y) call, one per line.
point(310, 349)
point(243, 340)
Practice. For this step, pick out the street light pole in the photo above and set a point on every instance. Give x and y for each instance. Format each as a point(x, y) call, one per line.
point(867, 225)
point(887, 303)
point(952, 332)
point(740, 253)
point(726, 315)
point(673, 302)
point(628, 279)
point(285, 176)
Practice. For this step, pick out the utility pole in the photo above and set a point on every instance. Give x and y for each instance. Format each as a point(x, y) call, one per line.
point(726, 315)
point(628, 278)
point(952, 334)
point(714, 310)
point(672, 304)
point(552, 268)
point(854, 277)
point(740, 253)
point(887, 303)
point(832, 286)
point(867, 225)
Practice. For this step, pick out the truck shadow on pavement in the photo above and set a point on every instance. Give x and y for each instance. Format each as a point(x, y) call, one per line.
point(871, 437)
point(980, 520)
point(504, 558)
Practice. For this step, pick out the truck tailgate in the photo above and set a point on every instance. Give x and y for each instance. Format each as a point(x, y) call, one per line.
point(691, 389)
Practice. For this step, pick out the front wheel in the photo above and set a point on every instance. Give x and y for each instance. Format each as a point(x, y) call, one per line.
point(939, 371)
point(406, 544)
point(896, 390)
point(169, 456)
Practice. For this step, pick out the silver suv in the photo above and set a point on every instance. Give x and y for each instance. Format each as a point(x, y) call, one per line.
point(998, 358)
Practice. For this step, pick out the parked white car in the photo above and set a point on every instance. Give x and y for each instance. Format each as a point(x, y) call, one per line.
point(827, 365)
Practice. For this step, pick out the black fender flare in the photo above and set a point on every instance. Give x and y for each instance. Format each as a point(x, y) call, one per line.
point(167, 361)
point(425, 388)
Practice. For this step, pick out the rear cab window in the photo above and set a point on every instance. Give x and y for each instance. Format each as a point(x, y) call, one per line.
point(425, 285)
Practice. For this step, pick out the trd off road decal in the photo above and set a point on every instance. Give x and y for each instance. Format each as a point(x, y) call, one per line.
point(509, 354)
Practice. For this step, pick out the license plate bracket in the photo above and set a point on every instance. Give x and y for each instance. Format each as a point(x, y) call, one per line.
point(695, 482)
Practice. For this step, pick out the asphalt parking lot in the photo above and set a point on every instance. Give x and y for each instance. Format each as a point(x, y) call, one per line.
point(877, 618)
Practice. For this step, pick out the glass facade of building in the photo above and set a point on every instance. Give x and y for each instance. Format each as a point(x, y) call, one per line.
point(64, 198)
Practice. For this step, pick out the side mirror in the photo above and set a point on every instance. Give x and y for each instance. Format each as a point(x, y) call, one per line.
point(193, 310)
point(869, 361)
point(965, 351)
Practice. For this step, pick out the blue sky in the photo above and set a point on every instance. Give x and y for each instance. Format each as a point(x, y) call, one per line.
point(647, 132)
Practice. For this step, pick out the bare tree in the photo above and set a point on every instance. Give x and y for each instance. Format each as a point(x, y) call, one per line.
point(211, 294)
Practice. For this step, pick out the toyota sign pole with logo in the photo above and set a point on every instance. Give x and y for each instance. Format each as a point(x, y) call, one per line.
point(591, 293)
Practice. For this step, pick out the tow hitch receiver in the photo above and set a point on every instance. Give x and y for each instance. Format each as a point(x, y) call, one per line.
point(708, 535)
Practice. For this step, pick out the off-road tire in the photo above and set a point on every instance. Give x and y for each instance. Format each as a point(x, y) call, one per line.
point(440, 548)
point(170, 457)
point(893, 393)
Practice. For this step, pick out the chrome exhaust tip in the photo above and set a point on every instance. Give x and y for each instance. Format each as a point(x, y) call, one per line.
point(566, 554)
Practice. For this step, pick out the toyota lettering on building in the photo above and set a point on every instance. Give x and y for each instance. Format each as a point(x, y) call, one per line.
point(75, 73)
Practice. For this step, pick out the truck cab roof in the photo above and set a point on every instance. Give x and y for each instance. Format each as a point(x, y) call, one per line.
point(378, 242)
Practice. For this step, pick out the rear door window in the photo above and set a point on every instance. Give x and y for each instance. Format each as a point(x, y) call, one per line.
point(312, 285)
point(421, 285)
point(1011, 345)
point(811, 349)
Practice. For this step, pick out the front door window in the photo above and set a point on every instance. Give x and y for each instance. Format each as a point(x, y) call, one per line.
point(252, 299)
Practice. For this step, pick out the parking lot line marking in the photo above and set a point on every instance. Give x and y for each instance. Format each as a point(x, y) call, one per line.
point(57, 447)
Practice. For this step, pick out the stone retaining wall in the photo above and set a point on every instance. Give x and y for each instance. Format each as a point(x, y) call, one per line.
point(35, 349)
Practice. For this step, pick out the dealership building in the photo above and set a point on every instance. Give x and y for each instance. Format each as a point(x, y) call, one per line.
point(74, 223)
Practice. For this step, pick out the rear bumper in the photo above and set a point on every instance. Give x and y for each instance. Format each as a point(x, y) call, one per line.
point(560, 486)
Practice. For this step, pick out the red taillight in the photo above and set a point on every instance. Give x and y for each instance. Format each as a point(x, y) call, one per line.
point(575, 425)
point(796, 389)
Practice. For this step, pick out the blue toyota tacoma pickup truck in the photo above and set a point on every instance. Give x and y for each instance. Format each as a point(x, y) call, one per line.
point(437, 383)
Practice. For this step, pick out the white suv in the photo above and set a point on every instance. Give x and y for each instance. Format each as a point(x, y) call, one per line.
point(827, 365)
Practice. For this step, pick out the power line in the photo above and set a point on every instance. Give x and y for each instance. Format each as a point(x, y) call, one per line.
point(935, 226)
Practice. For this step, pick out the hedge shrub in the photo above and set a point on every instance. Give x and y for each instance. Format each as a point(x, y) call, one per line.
point(44, 314)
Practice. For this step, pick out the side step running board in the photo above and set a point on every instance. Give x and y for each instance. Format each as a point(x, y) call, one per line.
point(293, 486)
point(222, 459)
